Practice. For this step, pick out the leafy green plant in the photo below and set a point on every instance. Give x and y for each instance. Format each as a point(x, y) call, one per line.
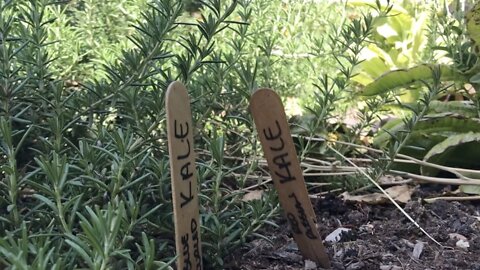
point(85, 175)
point(398, 41)
point(334, 90)
point(445, 134)
point(87, 35)
point(84, 156)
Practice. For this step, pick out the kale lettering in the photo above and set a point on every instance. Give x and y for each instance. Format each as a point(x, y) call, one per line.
point(181, 132)
point(186, 174)
point(293, 223)
point(186, 198)
point(180, 135)
point(186, 155)
point(273, 137)
point(280, 159)
point(283, 164)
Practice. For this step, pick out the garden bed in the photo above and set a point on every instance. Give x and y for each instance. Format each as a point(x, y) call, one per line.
point(380, 237)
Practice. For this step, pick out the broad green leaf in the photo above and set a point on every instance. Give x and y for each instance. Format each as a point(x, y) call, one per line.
point(460, 150)
point(406, 77)
point(473, 25)
point(470, 189)
point(464, 108)
point(418, 33)
point(475, 78)
point(443, 124)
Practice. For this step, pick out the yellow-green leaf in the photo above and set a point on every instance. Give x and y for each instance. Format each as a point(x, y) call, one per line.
point(461, 150)
point(406, 77)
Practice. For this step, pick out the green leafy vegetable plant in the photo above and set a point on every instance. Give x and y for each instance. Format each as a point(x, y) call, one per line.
point(446, 133)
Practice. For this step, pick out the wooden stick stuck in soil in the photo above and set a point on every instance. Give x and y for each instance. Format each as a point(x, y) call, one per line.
point(271, 122)
point(184, 181)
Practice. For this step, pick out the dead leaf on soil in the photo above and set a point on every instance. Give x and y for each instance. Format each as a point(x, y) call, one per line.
point(457, 236)
point(418, 249)
point(461, 241)
point(336, 235)
point(310, 265)
point(390, 180)
point(462, 244)
point(253, 195)
point(390, 267)
point(401, 194)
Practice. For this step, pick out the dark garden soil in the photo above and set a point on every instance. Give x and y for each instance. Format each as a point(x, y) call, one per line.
point(380, 237)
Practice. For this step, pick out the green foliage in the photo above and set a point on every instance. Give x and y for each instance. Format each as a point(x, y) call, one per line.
point(398, 41)
point(85, 163)
point(442, 133)
point(456, 150)
point(85, 175)
point(406, 77)
point(86, 35)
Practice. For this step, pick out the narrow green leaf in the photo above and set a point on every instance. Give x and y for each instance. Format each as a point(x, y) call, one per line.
point(86, 257)
point(47, 201)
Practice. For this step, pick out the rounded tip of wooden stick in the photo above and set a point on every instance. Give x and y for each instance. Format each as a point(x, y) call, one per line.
point(263, 91)
point(263, 94)
point(175, 85)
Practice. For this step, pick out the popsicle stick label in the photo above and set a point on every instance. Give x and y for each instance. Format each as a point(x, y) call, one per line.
point(271, 122)
point(184, 181)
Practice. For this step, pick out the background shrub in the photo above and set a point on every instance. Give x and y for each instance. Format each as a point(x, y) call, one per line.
point(85, 176)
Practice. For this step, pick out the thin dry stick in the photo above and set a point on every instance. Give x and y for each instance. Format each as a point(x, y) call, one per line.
point(317, 195)
point(449, 198)
point(430, 179)
point(332, 168)
point(347, 170)
point(329, 174)
point(364, 160)
point(456, 171)
point(397, 183)
point(437, 180)
point(388, 196)
point(319, 184)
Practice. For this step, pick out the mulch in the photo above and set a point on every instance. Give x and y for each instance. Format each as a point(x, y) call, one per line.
point(377, 237)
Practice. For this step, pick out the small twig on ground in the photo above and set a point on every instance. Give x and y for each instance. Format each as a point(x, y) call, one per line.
point(436, 180)
point(450, 198)
point(456, 171)
point(388, 196)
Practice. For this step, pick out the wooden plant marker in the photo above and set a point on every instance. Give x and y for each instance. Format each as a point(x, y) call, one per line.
point(184, 181)
point(271, 122)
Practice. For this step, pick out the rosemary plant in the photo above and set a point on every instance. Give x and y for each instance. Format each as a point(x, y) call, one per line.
point(85, 179)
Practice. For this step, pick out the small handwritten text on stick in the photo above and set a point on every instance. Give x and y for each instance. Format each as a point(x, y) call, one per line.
point(292, 220)
point(187, 264)
point(281, 158)
point(303, 217)
point(196, 244)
